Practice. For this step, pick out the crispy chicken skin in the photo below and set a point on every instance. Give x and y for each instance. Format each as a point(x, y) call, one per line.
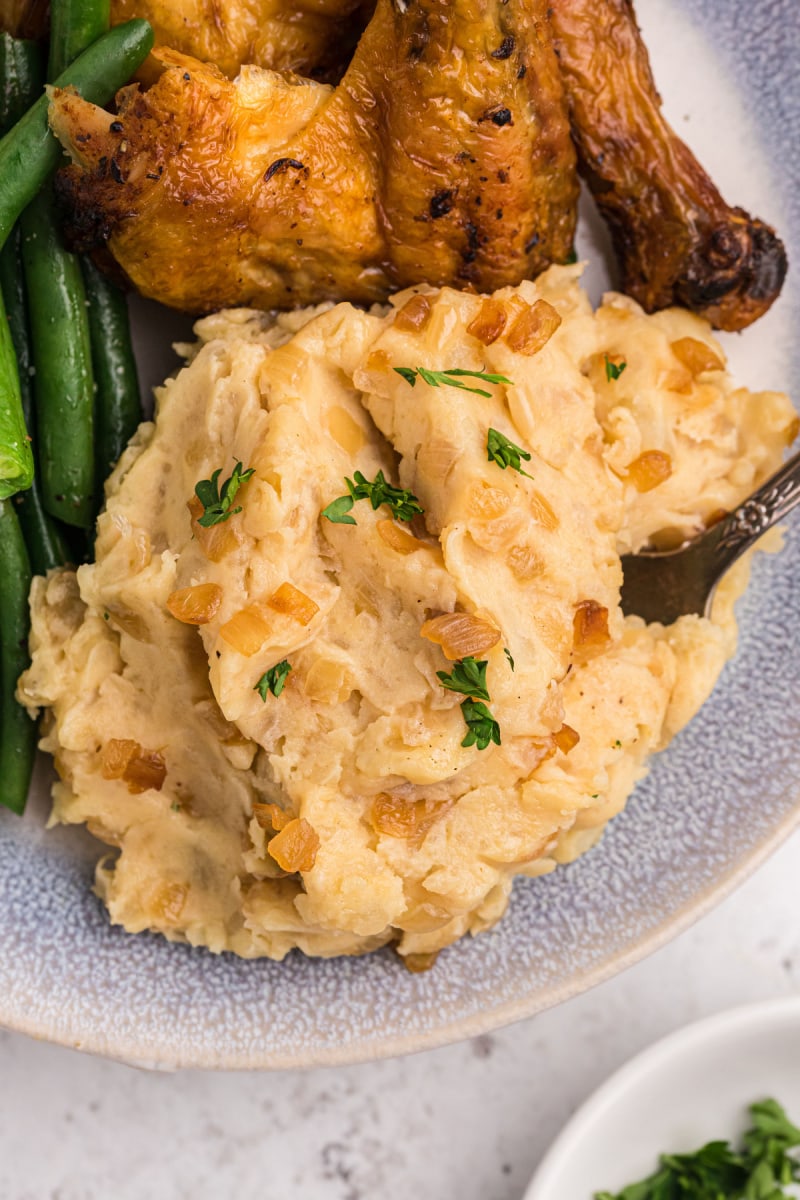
point(677, 240)
point(24, 18)
point(444, 156)
point(311, 37)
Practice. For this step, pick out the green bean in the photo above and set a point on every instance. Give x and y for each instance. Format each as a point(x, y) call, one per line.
point(21, 78)
point(17, 730)
point(118, 409)
point(74, 25)
point(28, 154)
point(44, 539)
point(62, 356)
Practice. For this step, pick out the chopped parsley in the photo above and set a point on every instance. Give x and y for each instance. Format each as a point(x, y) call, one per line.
point(614, 370)
point(508, 655)
point(403, 504)
point(617, 745)
point(453, 378)
point(467, 677)
point(766, 1162)
point(273, 680)
point(217, 501)
point(481, 725)
point(505, 453)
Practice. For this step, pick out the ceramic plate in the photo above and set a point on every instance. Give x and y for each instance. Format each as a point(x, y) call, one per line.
point(691, 1088)
point(715, 804)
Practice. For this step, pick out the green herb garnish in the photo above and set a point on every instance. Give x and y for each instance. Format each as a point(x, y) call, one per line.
point(467, 677)
point(613, 370)
point(507, 653)
point(481, 725)
point(337, 511)
point(506, 453)
point(273, 680)
point(451, 378)
point(217, 501)
point(403, 504)
point(759, 1171)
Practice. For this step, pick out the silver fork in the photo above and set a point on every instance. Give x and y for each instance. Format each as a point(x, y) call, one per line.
point(663, 585)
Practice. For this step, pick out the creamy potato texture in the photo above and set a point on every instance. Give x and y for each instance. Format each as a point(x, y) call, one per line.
point(346, 812)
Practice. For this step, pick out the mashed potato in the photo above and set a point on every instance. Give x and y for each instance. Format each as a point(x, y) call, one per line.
point(346, 812)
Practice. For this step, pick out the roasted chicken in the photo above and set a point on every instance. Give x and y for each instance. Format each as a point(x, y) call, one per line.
point(311, 37)
point(676, 239)
point(443, 156)
point(24, 18)
point(440, 157)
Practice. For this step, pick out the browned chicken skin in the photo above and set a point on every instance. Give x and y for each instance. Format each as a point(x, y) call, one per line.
point(24, 18)
point(677, 240)
point(443, 156)
point(310, 37)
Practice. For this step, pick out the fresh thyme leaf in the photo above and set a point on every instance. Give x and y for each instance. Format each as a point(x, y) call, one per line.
point(217, 501)
point(409, 374)
point(481, 725)
point(273, 680)
point(451, 378)
point(468, 677)
point(505, 453)
point(613, 370)
point(507, 653)
point(403, 504)
point(337, 511)
point(718, 1172)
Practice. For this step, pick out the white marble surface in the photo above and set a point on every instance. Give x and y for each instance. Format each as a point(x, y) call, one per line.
point(469, 1122)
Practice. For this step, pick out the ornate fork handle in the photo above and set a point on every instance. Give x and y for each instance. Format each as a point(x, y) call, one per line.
point(776, 497)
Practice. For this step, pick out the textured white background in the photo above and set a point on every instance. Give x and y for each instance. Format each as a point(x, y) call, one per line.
point(469, 1122)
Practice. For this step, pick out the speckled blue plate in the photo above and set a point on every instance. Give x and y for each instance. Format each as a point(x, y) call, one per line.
point(715, 804)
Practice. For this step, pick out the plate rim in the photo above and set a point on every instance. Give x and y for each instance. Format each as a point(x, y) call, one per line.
point(347, 1054)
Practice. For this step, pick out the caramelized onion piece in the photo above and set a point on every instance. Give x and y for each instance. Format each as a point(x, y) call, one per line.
point(195, 605)
point(168, 902)
point(398, 538)
point(414, 315)
point(270, 816)
point(290, 601)
point(541, 510)
point(590, 626)
point(697, 356)
point(487, 503)
point(140, 769)
point(412, 820)
point(651, 468)
point(295, 847)
point(216, 541)
point(489, 323)
point(566, 738)
point(417, 963)
point(345, 429)
point(525, 562)
point(461, 634)
point(248, 629)
point(533, 328)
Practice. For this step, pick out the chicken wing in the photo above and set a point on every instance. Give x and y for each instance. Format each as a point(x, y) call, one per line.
point(311, 37)
point(677, 240)
point(443, 156)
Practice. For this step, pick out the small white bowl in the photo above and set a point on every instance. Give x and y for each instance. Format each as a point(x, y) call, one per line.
point(690, 1088)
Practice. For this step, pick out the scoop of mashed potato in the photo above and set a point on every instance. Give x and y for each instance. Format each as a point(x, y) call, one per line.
point(254, 713)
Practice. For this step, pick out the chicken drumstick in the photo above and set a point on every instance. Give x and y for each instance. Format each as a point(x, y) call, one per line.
point(676, 239)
